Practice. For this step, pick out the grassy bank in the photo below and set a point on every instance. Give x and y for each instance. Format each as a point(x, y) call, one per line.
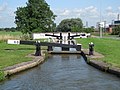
point(110, 48)
point(14, 54)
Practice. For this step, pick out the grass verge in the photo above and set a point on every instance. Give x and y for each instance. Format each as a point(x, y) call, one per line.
point(14, 54)
point(110, 48)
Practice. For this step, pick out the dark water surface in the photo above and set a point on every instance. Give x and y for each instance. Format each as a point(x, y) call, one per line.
point(62, 72)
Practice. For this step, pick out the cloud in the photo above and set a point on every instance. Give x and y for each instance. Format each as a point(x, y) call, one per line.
point(7, 15)
point(119, 7)
point(90, 14)
point(86, 13)
point(3, 7)
point(78, 12)
point(110, 12)
point(66, 12)
point(91, 9)
point(109, 9)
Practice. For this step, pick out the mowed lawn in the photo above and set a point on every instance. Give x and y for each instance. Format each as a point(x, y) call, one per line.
point(13, 54)
point(110, 48)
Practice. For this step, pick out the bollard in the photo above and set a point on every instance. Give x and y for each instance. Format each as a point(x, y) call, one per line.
point(78, 48)
point(91, 49)
point(38, 49)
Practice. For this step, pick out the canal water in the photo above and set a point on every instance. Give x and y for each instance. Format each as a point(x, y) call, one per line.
point(62, 72)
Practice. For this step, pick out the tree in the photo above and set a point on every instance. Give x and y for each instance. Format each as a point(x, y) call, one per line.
point(116, 30)
point(35, 17)
point(88, 30)
point(73, 25)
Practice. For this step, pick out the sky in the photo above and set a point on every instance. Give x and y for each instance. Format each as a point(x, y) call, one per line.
point(90, 11)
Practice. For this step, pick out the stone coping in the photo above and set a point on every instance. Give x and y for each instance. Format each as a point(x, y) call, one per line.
point(39, 59)
point(96, 54)
point(100, 64)
point(24, 65)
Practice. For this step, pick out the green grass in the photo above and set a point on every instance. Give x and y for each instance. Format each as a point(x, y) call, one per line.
point(13, 54)
point(110, 48)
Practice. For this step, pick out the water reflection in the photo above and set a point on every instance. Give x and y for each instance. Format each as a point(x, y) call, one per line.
point(62, 72)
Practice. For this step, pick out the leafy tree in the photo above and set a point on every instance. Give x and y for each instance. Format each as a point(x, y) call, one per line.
point(73, 25)
point(88, 30)
point(116, 30)
point(35, 17)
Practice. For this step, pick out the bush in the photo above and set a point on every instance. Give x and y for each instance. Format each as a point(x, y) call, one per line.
point(116, 30)
point(88, 30)
point(25, 37)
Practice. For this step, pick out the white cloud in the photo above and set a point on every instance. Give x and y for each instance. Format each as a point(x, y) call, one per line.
point(3, 7)
point(91, 9)
point(88, 13)
point(6, 15)
point(119, 7)
point(109, 8)
point(91, 12)
point(81, 12)
point(66, 12)
point(110, 13)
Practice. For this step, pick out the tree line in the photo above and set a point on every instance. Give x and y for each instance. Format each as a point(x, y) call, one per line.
point(12, 29)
